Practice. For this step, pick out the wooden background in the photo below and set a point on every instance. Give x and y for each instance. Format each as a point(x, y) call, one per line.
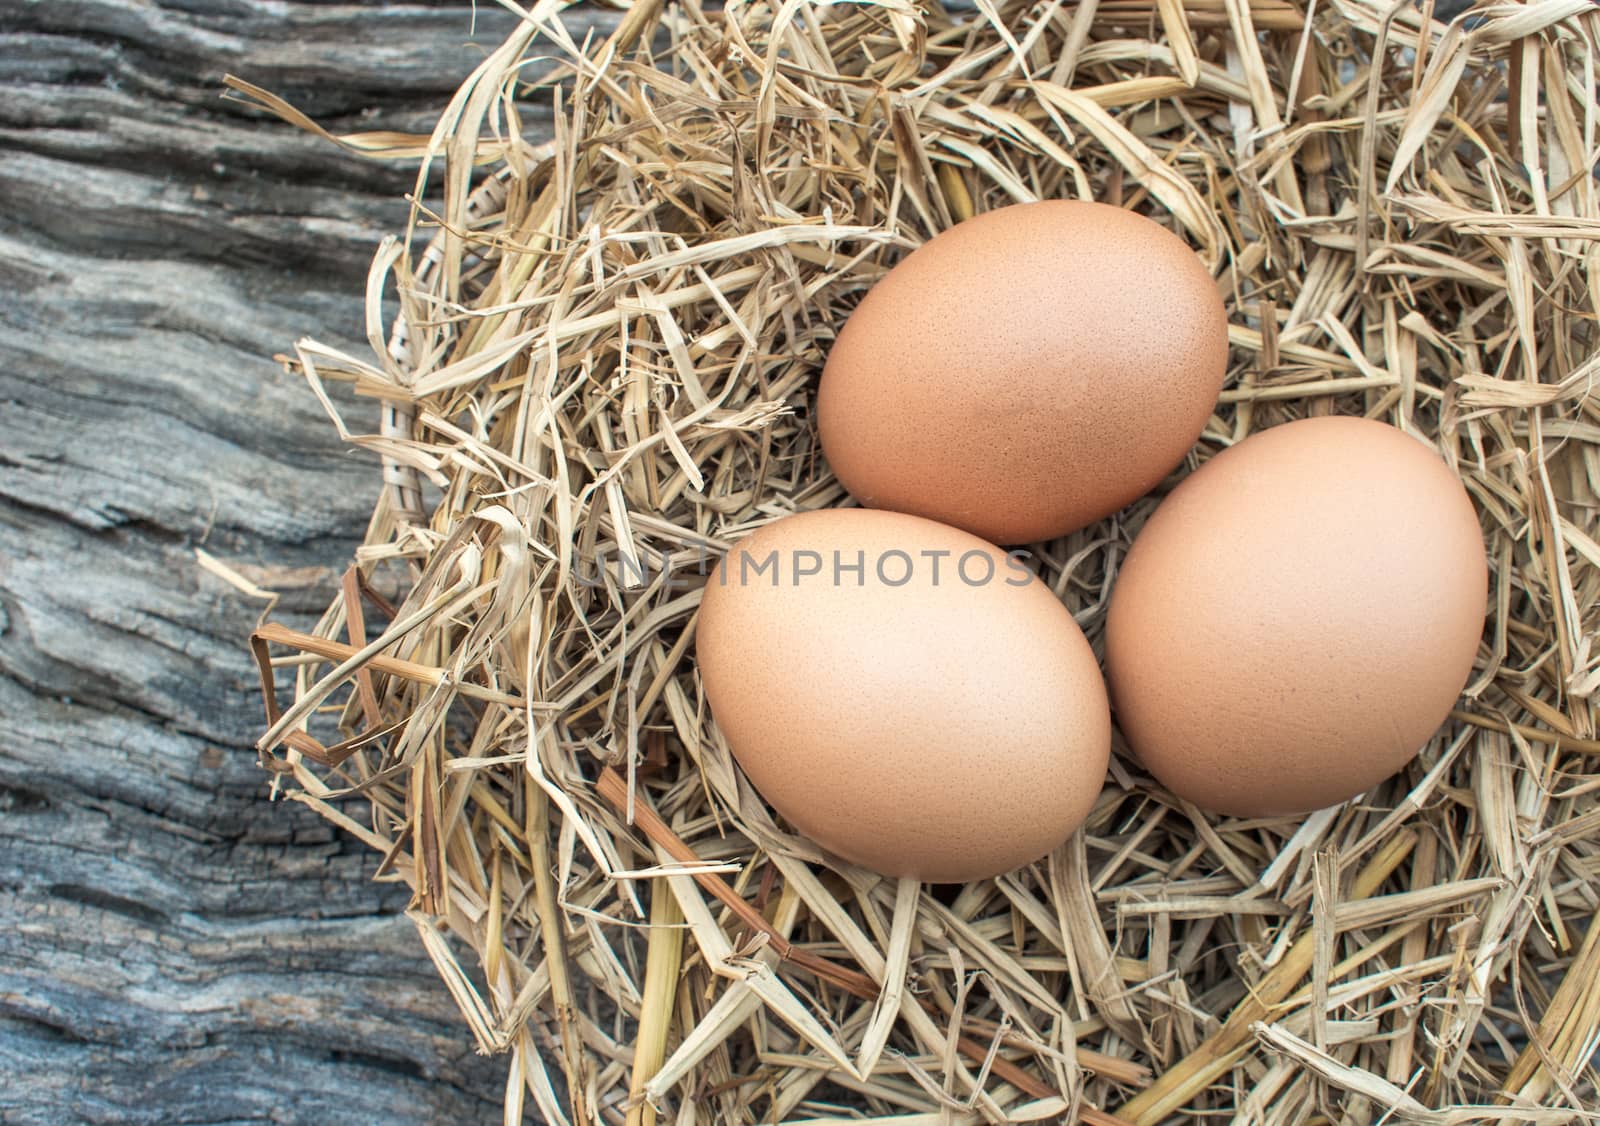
point(173, 946)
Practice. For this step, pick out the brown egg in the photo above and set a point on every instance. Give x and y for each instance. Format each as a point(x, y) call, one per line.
point(905, 694)
point(1297, 618)
point(1026, 372)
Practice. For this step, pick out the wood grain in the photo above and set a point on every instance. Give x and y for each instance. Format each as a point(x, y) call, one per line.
point(173, 945)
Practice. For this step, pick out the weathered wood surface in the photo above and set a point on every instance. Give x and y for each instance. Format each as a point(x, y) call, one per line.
point(173, 946)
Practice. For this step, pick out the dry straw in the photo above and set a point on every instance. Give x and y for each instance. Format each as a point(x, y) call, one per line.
point(602, 371)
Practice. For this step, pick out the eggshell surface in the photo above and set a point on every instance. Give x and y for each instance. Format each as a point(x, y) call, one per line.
point(1026, 372)
point(1297, 619)
point(935, 713)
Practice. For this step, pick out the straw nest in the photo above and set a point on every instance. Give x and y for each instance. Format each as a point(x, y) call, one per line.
point(602, 368)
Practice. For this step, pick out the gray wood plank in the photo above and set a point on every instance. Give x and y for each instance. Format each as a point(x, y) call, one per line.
point(173, 946)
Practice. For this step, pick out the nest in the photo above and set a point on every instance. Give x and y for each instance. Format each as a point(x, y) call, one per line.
point(601, 370)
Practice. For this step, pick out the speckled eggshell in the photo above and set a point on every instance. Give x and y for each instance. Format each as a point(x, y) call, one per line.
point(1026, 372)
point(945, 724)
point(1297, 619)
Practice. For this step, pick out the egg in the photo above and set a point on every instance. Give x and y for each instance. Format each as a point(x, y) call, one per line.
point(1026, 372)
point(908, 696)
point(1297, 618)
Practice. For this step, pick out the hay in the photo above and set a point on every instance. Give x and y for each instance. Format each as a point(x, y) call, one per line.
point(602, 373)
